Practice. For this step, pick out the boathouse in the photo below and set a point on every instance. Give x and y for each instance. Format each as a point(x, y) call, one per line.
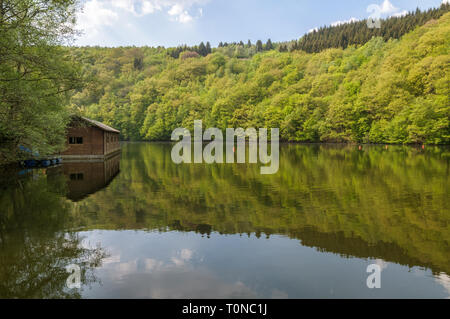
point(90, 140)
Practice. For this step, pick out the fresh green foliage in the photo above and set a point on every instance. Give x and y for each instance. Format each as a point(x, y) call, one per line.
point(36, 74)
point(394, 91)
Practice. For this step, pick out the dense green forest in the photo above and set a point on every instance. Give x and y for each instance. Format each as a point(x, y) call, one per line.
point(394, 91)
point(345, 83)
point(37, 74)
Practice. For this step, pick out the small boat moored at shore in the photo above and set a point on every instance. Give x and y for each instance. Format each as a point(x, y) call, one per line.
point(44, 162)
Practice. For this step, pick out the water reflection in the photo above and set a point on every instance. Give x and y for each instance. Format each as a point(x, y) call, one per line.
point(36, 243)
point(227, 231)
point(86, 178)
point(375, 203)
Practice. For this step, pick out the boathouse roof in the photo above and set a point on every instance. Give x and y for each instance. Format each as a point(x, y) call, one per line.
point(97, 124)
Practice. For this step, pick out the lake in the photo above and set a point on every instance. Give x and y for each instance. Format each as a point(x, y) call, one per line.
point(140, 226)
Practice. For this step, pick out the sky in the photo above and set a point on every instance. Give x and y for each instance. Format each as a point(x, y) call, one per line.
point(171, 23)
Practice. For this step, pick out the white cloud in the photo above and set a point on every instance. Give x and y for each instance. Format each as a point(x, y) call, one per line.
point(137, 7)
point(181, 15)
point(445, 1)
point(99, 13)
point(185, 17)
point(400, 14)
point(95, 15)
point(336, 23)
point(388, 8)
point(176, 9)
point(180, 9)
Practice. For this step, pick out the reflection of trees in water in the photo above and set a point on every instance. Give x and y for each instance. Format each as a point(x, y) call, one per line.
point(374, 203)
point(35, 248)
point(35, 267)
point(390, 204)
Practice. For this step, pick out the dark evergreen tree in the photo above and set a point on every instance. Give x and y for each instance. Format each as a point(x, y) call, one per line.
point(259, 46)
point(202, 50)
point(358, 33)
point(269, 45)
point(138, 63)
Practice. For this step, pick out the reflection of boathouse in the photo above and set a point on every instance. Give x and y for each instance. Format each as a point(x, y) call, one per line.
point(85, 178)
point(90, 140)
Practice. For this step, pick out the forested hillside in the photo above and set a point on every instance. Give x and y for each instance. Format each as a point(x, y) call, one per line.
point(394, 91)
point(344, 83)
point(357, 32)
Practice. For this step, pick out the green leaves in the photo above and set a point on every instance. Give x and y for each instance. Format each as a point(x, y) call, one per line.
point(381, 92)
point(36, 75)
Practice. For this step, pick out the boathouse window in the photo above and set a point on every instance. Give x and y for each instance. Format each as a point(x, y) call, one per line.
point(75, 140)
point(77, 177)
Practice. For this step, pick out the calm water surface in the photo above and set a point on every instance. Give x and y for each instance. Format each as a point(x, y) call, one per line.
point(140, 226)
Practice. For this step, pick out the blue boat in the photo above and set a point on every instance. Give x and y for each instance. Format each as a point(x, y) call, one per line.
point(46, 163)
point(30, 163)
point(35, 161)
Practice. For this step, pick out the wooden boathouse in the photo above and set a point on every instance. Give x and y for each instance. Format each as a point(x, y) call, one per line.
point(90, 140)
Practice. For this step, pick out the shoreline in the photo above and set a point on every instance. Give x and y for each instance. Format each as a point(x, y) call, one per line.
point(309, 143)
point(356, 145)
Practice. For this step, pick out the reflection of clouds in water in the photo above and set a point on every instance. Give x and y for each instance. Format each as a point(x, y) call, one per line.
point(182, 257)
point(444, 280)
point(173, 277)
point(124, 268)
point(176, 278)
point(278, 294)
point(153, 264)
point(111, 259)
point(117, 269)
point(179, 283)
point(380, 262)
point(186, 254)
